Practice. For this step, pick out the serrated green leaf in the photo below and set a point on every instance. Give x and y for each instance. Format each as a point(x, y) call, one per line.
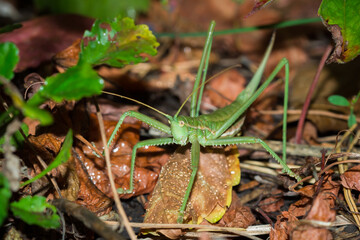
point(351, 120)
point(9, 57)
point(342, 18)
point(5, 195)
point(339, 101)
point(17, 139)
point(120, 45)
point(32, 211)
point(77, 82)
point(62, 157)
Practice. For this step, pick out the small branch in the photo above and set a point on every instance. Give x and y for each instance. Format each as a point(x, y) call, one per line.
point(310, 112)
point(111, 178)
point(88, 218)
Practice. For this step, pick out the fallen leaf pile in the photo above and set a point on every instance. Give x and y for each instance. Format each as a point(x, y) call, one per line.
point(264, 197)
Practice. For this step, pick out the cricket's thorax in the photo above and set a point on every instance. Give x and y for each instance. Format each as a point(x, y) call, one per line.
point(188, 129)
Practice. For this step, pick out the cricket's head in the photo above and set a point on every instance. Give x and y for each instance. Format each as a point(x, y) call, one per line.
point(179, 130)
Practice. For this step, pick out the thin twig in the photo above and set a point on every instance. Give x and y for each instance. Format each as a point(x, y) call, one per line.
point(292, 187)
point(111, 178)
point(310, 112)
point(342, 168)
point(305, 108)
point(87, 143)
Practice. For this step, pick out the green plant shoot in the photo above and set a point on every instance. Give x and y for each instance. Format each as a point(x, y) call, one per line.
point(343, 102)
point(219, 128)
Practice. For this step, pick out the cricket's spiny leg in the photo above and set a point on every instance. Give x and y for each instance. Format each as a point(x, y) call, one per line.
point(252, 140)
point(148, 120)
point(150, 142)
point(194, 155)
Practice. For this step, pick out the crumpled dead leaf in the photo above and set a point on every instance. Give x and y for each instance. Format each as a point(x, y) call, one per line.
point(317, 204)
point(237, 216)
point(350, 179)
point(210, 196)
point(273, 203)
point(224, 89)
point(309, 232)
point(284, 225)
point(147, 164)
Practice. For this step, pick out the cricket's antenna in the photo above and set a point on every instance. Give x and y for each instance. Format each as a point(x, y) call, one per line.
point(202, 84)
point(133, 100)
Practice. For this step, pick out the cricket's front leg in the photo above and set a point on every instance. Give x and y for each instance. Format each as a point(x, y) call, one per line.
point(252, 140)
point(195, 156)
point(148, 120)
point(150, 142)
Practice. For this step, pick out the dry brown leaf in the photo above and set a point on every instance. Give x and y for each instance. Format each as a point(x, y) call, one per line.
point(309, 232)
point(322, 206)
point(68, 57)
point(210, 196)
point(284, 225)
point(300, 207)
point(237, 216)
point(224, 89)
point(351, 178)
point(273, 203)
point(147, 164)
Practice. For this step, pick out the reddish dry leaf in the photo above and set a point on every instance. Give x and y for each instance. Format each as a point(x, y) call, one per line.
point(300, 207)
point(323, 207)
point(224, 89)
point(68, 57)
point(284, 225)
point(309, 232)
point(237, 216)
point(41, 38)
point(351, 178)
point(147, 165)
point(273, 203)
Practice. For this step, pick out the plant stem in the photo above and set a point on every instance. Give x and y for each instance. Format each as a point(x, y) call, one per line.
point(305, 108)
point(242, 30)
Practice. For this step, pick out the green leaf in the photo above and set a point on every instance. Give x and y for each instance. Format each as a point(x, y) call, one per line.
point(5, 195)
point(77, 82)
point(32, 211)
point(351, 120)
point(17, 139)
point(339, 101)
point(9, 57)
point(34, 112)
point(94, 8)
point(62, 157)
point(121, 44)
point(342, 19)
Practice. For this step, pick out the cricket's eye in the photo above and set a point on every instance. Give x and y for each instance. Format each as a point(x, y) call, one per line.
point(181, 123)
